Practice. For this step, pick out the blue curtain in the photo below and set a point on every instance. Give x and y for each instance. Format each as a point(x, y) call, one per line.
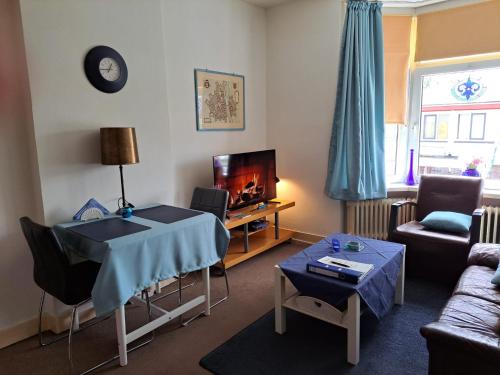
point(356, 169)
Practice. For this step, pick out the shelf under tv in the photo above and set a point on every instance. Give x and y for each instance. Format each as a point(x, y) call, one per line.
point(249, 244)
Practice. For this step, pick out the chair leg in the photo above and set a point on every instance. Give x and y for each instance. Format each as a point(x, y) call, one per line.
point(40, 312)
point(173, 291)
point(71, 328)
point(216, 303)
point(40, 333)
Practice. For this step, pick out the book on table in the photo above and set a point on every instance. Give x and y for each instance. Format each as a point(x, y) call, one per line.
point(341, 269)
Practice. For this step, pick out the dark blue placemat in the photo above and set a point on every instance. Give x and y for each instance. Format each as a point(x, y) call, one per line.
point(104, 230)
point(166, 214)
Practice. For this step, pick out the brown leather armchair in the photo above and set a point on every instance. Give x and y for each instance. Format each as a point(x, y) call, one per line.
point(433, 255)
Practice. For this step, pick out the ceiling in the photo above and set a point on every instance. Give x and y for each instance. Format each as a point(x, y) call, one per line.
point(393, 3)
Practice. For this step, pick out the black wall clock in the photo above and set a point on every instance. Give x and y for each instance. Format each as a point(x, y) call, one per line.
point(105, 69)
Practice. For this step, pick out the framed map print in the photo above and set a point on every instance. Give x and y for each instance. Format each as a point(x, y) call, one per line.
point(220, 100)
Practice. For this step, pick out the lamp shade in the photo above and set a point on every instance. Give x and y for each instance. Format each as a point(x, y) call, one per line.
point(118, 146)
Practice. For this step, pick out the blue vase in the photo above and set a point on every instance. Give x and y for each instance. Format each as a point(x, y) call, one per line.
point(410, 180)
point(471, 173)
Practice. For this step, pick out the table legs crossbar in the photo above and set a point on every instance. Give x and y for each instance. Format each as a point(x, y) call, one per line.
point(164, 317)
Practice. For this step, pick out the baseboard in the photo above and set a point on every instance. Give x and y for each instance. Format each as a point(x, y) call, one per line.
point(308, 238)
point(18, 332)
point(28, 328)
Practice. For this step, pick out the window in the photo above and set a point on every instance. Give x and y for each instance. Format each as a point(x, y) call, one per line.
point(478, 121)
point(454, 120)
point(429, 127)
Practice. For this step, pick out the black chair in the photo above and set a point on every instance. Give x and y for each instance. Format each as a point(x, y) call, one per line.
point(53, 273)
point(70, 283)
point(213, 201)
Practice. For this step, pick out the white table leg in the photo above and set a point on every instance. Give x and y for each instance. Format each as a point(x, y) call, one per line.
point(205, 274)
point(353, 313)
point(121, 334)
point(279, 300)
point(400, 286)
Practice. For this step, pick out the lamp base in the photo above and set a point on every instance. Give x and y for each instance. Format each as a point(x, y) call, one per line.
point(124, 208)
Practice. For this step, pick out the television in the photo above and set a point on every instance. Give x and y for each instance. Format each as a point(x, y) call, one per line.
point(249, 177)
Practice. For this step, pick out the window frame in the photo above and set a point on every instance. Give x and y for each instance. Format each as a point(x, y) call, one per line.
point(415, 104)
point(423, 137)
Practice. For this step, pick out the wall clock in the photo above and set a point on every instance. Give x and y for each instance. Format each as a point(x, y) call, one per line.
point(105, 69)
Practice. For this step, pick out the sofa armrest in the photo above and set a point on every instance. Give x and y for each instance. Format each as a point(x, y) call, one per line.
point(393, 219)
point(455, 339)
point(475, 228)
point(484, 254)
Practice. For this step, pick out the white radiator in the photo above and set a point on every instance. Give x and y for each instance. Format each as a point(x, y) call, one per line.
point(371, 219)
point(490, 228)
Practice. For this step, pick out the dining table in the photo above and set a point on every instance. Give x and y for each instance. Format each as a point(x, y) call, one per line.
point(156, 243)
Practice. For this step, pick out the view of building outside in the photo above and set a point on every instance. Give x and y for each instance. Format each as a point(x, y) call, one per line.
point(460, 124)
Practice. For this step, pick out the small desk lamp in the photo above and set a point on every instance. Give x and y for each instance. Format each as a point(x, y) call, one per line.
point(119, 147)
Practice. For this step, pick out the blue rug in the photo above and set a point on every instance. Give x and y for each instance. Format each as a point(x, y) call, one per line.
point(392, 345)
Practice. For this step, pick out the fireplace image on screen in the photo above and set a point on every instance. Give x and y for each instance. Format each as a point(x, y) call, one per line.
point(249, 177)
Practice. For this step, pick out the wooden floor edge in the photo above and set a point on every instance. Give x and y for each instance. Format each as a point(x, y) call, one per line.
point(305, 237)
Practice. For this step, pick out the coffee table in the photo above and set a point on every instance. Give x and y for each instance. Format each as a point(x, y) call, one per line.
point(324, 298)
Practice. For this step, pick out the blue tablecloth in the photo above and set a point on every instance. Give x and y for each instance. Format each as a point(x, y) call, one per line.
point(377, 289)
point(132, 263)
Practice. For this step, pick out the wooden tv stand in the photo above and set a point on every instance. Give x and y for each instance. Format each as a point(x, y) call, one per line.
point(245, 244)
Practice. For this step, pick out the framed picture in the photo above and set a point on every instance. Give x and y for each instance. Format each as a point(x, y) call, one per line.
point(220, 100)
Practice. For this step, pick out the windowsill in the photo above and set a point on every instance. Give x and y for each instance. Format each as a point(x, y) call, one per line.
point(401, 188)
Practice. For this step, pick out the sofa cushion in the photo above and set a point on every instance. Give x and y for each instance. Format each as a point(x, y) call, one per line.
point(477, 318)
point(476, 282)
point(447, 221)
point(414, 229)
point(484, 254)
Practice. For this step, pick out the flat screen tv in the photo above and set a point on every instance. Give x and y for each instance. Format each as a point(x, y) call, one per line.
point(249, 177)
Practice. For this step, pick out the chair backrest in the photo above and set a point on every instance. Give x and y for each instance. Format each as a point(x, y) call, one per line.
point(210, 200)
point(50, 261)
point(448, 193)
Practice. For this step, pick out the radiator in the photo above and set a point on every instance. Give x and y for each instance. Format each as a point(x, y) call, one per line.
point(371, 219)
point(490, 228)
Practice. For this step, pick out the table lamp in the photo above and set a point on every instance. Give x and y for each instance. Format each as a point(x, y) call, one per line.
point(119, 147)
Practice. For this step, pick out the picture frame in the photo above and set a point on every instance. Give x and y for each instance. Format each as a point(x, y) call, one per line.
point(219, 100)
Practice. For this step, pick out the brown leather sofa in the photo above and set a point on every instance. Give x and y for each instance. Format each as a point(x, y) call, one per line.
point(434, 255)
point(466, 338)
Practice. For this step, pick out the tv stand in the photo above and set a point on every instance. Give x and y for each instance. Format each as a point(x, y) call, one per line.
point(248, 244)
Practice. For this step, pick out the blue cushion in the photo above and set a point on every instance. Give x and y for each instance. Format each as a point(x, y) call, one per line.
point(447, 221)
point(496, 277)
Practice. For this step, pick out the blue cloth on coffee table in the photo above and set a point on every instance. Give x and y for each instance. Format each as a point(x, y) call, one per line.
point(376, 290)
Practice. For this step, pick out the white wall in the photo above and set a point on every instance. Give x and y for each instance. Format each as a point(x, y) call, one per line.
point(162, 42)
point(19, 188)
point(221, 35)
point(303, 44)
point(68, 111)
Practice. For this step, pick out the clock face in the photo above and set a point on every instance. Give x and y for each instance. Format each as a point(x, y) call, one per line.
point(109, 69)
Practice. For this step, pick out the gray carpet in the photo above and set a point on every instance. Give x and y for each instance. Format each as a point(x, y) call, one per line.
point(390, 346)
